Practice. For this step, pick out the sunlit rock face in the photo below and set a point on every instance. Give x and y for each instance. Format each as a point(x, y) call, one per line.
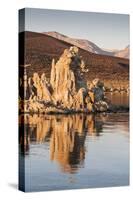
point(66, 78)
point(66, 91)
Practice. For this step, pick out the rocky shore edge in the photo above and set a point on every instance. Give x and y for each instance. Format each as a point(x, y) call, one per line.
point(54, 110)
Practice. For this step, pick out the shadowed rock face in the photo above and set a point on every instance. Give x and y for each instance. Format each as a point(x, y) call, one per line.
point(66, 91)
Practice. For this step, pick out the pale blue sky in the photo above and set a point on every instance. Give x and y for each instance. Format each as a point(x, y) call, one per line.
point(109, 31)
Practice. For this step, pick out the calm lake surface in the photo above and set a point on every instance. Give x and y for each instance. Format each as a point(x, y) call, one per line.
point(121, 99)
point(75, 151)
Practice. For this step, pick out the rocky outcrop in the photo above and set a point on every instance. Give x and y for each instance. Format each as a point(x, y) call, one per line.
point(40, 83)
point(96, 93)
point(66, 91)
point(66, 78)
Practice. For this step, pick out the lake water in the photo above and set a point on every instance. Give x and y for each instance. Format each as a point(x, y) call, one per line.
point(118, 98)
point(74, 151)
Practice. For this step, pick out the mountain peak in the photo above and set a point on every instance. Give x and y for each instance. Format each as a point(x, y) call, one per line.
point(124, 53)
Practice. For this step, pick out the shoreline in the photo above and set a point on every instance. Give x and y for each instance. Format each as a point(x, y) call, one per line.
point(113, 109)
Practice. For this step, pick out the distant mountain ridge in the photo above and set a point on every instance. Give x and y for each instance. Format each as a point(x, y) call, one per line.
point(124, 53)
point(88, 45)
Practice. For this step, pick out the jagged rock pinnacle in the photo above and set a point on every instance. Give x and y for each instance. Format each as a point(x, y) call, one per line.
point(66, 91)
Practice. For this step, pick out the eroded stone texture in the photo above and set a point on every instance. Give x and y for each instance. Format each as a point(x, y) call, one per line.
point(66, 91)
point(96, 93)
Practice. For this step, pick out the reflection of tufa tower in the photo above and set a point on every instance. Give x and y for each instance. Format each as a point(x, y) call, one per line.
point(66, 136)
point(66, 144)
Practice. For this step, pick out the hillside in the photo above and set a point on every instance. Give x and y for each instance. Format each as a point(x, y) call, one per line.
point(81, 43)
point(40, 49)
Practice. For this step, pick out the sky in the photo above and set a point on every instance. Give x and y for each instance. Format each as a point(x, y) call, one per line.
point(108, 31)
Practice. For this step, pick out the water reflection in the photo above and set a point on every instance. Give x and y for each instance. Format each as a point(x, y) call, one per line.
point(65, 136)
point(118, 98)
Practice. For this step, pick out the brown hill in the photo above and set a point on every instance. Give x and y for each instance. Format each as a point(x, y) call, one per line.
point(40, 49)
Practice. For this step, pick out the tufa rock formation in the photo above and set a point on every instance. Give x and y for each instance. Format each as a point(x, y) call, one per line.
point(66, 91)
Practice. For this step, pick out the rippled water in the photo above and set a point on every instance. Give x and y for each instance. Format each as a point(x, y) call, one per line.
point(74, 151)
